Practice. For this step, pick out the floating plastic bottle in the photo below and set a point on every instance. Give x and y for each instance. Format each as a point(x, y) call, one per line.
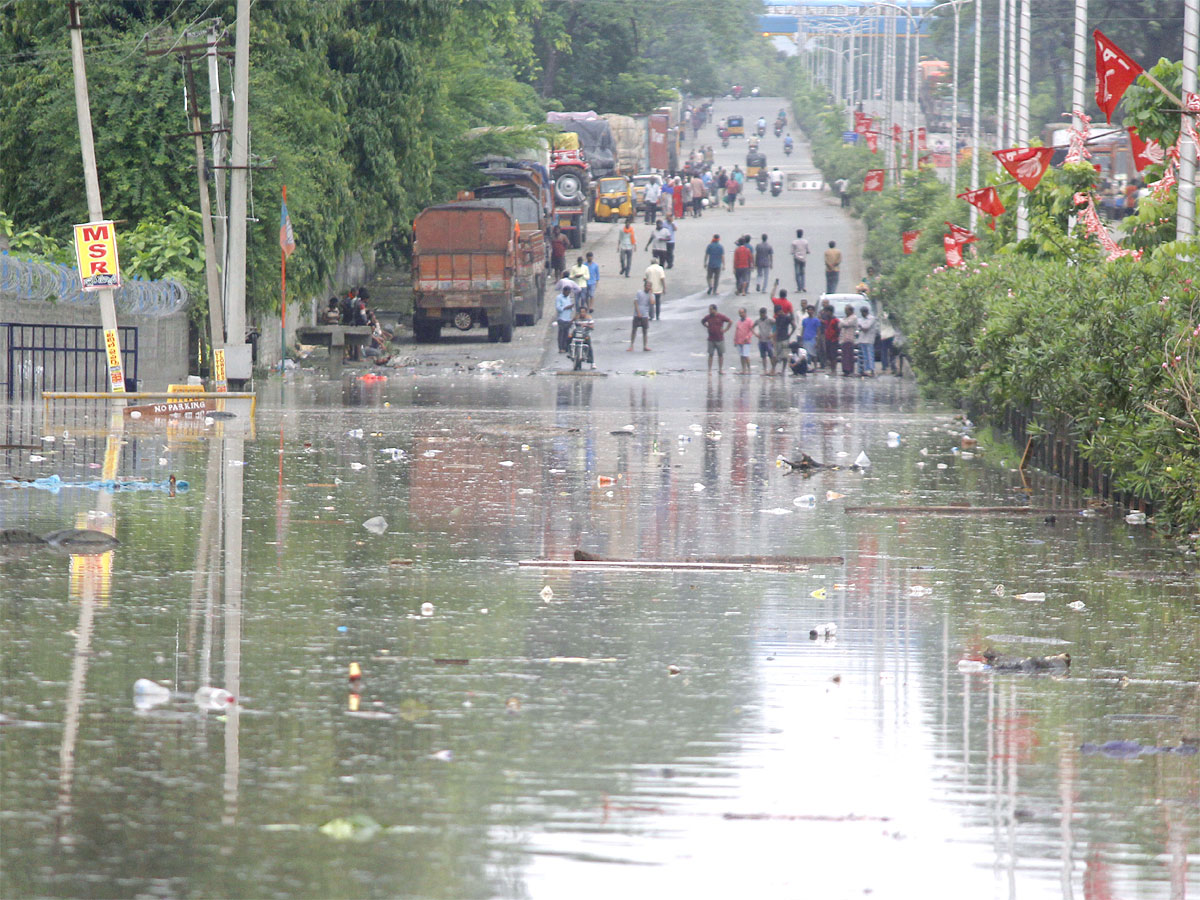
point(826, 630)
point(807, 501)
point(1032, 597)
point(147, 694)
point(1136, 518)
point(972, 666)
point(213, 699)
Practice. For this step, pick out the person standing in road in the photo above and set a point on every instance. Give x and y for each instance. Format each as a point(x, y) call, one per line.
point(764, 259)
point(743, 334)
point(732, 187)
point(833, 327)
point(677, 199)
point(785, 326)
point(658, 242)
point(579, 274)
point(764, 330)
point(799, 258)
point(656, 275)
point(558, 250)
point(868, 330)
point(669, 262)
point(847, 338)
point(650, 201)
point(697, 195)
point(717, 324)
point(564, 305)
point(842, 186)
point(833, 267)
point(743, 260)
point(810, 331)
point(643, 301)
point(592, 282)
point(714, 261)
point(626, 244)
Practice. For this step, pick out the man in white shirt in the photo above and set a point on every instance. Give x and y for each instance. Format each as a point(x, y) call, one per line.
point(656, 276)
point(653, 193)
point(799, 257)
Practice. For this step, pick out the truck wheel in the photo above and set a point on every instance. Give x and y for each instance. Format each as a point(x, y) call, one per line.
point(570, 184)
point(576, 237)
point(506, 332)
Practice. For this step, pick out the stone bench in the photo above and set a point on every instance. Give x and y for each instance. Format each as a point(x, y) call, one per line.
point(336, 338)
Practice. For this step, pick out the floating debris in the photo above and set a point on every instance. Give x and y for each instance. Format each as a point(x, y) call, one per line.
point(376, 525)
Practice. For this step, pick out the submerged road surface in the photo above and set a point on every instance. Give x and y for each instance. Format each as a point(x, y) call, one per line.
point(428, 699)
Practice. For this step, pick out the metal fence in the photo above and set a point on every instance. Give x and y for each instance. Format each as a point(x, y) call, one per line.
point(61, 358)
point(32, 280)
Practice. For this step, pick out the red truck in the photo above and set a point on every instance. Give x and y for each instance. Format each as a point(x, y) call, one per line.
point(466, 262)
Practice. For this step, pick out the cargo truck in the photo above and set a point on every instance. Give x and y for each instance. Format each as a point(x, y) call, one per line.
point(467, 258)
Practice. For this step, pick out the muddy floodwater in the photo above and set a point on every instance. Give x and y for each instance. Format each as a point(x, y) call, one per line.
point(525, 731)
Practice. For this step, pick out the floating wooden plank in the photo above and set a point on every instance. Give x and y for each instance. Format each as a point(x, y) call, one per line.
point(963, 510)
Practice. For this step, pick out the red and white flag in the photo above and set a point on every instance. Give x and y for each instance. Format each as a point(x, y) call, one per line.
point(909, 241)
point(1026, 164)
point(873, 181)
point(1115, 72)
point(872, 141)
point(986, 200)
point(954, 257)
point(960, 234)
point(922, 139)
point(862, 123)
point(1145, 153)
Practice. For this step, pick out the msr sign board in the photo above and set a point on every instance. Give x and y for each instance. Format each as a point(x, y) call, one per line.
point(96, 252)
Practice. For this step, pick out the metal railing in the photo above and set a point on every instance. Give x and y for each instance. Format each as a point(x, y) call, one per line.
point(61, 358)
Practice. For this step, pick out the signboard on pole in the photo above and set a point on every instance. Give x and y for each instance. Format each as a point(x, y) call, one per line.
point(116, 374)
point(96, 253)
point(219, 371)
point(659, 157)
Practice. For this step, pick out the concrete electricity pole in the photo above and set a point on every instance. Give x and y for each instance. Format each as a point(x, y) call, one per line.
point(237, 351)
point(975, 132)
point(83, 115)
point(1022, 134)
point(216, 120)
point(1185, 213)
point(1001, 64)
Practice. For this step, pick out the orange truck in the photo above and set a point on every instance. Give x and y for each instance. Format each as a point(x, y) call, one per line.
point(470, 269)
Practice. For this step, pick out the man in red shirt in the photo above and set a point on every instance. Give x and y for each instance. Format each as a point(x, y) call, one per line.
point(743, 262)
point(717, 324)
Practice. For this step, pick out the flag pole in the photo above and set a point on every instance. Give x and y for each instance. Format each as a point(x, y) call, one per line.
point(283, 293)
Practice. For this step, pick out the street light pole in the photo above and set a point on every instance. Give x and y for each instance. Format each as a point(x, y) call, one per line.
point(954, 114)
point(1185, 213)
point(1001, 62)
point(1023, 113)
point(975, 131)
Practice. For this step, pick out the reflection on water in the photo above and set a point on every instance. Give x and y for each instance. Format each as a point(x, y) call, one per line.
point(637, 731)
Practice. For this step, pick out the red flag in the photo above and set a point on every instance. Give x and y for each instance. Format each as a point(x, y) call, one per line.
point(986, 200)
point(897, 134)
point(922, 139)
point(954, 255)
point(862, 123)
point(1115, 72)
point(1145, 153)
point(1026, 164)
point(960, 234)
point(909, 241)
point(872, 141)
point(873, 181)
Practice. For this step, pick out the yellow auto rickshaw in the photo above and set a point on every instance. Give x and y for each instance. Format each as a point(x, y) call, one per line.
point(755, 163)
point(614, 199)
point(735, 126)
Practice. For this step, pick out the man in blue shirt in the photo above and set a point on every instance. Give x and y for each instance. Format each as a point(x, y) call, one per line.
point(592, 280)
point(564, 304)
point(714, 261)
point(810, 328)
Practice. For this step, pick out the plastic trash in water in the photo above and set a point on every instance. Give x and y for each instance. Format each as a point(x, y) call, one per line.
point(357, 466)
point(376, 525)
point(807, 501)
point(427, 609)
point(998, 590)
point(972, 666)
point(507, 463)
point(351, 828)
point(818, 594)
point(697, 487)
point(862, 460)
point(777, 511)
point(354, 433)
point(1032, 597)
point(893, 440)
point(919, 590)
point(354, 672)
point(1136, 518)
point(833, 495)
point(213, 699)
point(1077, 605)
point(148, 694)
point(942, 466)
point(546, 593)
point(490, 364)
point(824, 630)
point(604, 480)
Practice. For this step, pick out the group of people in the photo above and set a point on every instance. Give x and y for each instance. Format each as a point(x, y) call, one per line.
point(747, 259)
point(353, 309)
point(833, 263)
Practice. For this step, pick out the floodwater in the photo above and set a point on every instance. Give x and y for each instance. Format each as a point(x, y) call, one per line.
point(624, 732)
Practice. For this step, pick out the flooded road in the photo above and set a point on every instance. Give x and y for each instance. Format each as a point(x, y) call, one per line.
point(622, 730)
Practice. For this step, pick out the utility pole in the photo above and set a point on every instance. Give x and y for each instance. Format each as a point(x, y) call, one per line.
point(216, 119)
point(91, 179)
point(975, 132)
point(1078, 63)
point(1001, 63)
point(954, 112)
point(1185, 213)
point(1014, 136)
point(237, 351)
point(216, 318)
point(1023, 135)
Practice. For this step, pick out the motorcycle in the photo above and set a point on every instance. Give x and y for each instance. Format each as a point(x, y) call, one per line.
point(762, 130)
point(787, 149)
point(725, 139)
point(776, 188)
point(580, 350)
point(762, 182)
point(778, 129)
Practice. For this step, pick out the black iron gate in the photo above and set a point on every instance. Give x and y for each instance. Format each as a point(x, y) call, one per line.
point(61, 358)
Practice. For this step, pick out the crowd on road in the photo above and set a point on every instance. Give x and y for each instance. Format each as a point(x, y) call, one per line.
point(817, 337)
